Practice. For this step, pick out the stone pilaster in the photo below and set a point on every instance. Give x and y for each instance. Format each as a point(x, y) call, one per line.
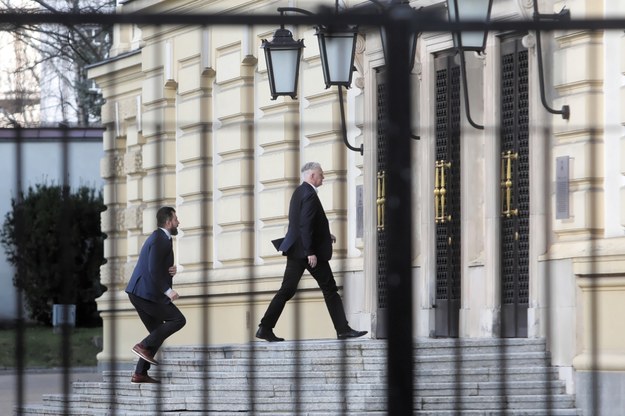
point(234, 141)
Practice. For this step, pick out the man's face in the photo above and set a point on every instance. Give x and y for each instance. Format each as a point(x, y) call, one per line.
point(317, 177)
point(172, 224)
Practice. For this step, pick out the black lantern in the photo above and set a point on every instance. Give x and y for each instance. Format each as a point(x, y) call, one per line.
point(469, 11)
point(413, 46)
point(337, 48)
point(283, 55)
point(405, 8)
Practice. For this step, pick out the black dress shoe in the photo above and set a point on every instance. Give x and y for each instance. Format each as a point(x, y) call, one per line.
point(350, 333)
point(267, 334)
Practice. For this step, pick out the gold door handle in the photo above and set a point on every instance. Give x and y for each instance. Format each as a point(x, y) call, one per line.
point(440, 191)
point(507, 184)
point(381, 199)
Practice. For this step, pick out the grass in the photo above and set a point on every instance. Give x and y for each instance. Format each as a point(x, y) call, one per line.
point(43, 347)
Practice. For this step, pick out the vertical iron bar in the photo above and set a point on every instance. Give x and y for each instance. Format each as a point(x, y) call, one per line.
point(595, 378)
point(161, 137)
point(206, 192)
point(114, 293)
point(399, 221)
point(66, 268)
point(19, 306)
point(250, 271)
point(298, 372)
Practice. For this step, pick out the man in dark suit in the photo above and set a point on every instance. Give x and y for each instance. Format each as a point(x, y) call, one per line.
point(307, 246)
point(150, 292)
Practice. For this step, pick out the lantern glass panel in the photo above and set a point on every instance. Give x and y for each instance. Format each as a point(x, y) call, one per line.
point(339, 49)
point(470, 11)
point(284, 64)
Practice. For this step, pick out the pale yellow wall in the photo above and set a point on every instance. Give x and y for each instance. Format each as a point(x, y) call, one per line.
point(591, 312)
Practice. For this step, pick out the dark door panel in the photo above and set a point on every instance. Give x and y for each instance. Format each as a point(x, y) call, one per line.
point(515, 201)
point(381, 136)
point(447, 197)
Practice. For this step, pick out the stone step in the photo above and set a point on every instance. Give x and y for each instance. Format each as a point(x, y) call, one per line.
point(533, 402)
point(329, 363)
point(452, 377)
point(292, 389)
point(219, 404)
point(282, 401)
point(41, 410)
point(310, 403)
point(364, 348)
point(511, 374)
point(508, 412)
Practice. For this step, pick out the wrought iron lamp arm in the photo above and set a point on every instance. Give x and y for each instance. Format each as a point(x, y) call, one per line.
point(283, 10)
point(465, 87)
point(344, 126)
point(564, 14)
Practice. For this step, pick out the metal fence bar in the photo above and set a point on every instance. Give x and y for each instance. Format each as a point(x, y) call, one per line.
point(69, 291)
point(398, 224)
point(425, 22)
point(19, 305)
point(205, 187)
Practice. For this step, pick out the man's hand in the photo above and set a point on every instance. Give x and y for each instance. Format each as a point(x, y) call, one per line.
point(173, 295)
point(173, 270)
point(333, 237)
point(312, 261)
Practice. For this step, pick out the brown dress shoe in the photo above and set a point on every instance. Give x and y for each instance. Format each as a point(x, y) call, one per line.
point(143, 379)
point(144, 353)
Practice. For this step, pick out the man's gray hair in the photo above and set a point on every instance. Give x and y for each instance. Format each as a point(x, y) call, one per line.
point(310, 166)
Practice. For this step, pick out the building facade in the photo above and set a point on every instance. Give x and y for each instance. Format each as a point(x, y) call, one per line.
point(518, 228)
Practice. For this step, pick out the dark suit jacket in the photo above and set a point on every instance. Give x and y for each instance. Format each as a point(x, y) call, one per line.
point(309, 231)
point(151, 279)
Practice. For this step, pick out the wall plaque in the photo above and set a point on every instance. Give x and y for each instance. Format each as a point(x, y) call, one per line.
point(562, 188)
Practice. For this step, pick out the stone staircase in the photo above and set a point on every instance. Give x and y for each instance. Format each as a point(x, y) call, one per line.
point(453, 377)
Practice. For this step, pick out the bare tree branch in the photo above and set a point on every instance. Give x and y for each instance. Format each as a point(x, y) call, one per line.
point(59, 53)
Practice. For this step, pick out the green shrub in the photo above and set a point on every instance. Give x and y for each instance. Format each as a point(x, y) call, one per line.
point(53, 239)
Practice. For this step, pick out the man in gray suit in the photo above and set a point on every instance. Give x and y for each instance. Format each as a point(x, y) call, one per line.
point(307, 246)
point(150, 292)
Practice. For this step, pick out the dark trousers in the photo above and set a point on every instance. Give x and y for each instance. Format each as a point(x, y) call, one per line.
point(292, 275)
point(161, 320)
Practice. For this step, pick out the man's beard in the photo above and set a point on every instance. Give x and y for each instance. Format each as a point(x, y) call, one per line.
point(173, 231)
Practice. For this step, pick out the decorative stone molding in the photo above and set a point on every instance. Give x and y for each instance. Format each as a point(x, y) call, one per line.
point(114, 272)
point(134, 217)
point(126, 271)
point(112, 165)
point(527, 8)
point(127, 109)
point(481, 57)
point(249, 60)
point(114, 219)
point(170, 84)
point(361, 45)
point(133, 162)
point(417, 68)
point(529, 41)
